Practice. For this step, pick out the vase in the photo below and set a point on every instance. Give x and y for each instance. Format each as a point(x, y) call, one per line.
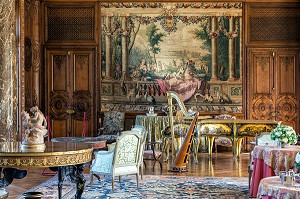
point(281, 144)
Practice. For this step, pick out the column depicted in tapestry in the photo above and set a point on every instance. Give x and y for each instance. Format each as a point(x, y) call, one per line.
point(214, 48)
point(108, 51)
point(8, 78)
point(124, 33)
point(231, 48)
point(36, 54)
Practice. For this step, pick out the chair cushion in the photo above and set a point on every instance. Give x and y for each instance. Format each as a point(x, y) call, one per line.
point(104, 162)
point(223, 141)
point(126, 170)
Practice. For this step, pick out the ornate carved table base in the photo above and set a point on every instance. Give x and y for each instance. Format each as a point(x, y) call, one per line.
point(9, 174)
point(74, 174)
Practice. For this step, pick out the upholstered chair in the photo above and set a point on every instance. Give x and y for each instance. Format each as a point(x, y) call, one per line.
point(223, 141)
point(122, 160)
point(113, 124)
point(142, 131)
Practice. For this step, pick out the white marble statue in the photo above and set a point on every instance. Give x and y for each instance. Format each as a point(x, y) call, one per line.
point(35, 127)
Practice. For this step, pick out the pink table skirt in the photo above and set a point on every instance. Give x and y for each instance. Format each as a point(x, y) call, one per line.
point(261, 170)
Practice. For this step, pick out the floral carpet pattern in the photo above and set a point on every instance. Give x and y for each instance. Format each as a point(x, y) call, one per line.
point(153, 186)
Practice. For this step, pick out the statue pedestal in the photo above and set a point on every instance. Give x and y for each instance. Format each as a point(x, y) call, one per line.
point(33, 147)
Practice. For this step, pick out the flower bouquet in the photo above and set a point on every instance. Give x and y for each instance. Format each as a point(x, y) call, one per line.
point(284, 134)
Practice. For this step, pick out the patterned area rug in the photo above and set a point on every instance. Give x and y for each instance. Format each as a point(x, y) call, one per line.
point(153, 186)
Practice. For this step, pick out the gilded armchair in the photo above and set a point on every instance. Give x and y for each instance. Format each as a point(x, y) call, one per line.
point(122, 160)
point(220, 133)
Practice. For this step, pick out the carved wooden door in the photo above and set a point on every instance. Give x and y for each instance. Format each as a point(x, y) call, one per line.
point(274, 85)
point(70, 91)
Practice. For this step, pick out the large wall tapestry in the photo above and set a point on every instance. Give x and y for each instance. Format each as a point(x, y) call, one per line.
point(193, 49)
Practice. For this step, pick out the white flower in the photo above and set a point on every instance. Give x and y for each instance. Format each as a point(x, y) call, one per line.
point(289, 132)
point(285, 140)
point(278, 133)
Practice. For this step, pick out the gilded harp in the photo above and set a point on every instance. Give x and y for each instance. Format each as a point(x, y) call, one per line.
point(181, 158)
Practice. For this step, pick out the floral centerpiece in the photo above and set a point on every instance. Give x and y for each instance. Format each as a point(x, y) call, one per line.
point(284, 134)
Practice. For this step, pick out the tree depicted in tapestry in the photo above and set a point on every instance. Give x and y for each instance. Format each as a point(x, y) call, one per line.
point(192, 49)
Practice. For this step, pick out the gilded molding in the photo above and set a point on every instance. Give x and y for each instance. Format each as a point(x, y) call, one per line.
point(45, 159)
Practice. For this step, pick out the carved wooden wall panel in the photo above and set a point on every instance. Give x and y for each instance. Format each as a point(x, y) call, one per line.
point(288, 87)
point(261, 63)
point(284, 17)
point(70, 23)
point(274, 86)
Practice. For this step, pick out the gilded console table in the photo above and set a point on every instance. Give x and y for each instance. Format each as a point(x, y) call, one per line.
point(236, 130)
point(69, 158)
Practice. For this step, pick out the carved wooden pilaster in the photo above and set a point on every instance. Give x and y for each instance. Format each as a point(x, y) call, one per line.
point(36, 54)
point(241, 44)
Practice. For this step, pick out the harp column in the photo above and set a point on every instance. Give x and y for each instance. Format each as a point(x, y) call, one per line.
point(8, 74)
point(214, 49)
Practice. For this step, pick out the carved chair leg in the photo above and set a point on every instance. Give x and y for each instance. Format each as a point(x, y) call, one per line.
point(112, 183)
point(137, 180)
point(216, 147)
point(142, 171)
point(238, 147)
point(210, 145)
point(91, 178)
